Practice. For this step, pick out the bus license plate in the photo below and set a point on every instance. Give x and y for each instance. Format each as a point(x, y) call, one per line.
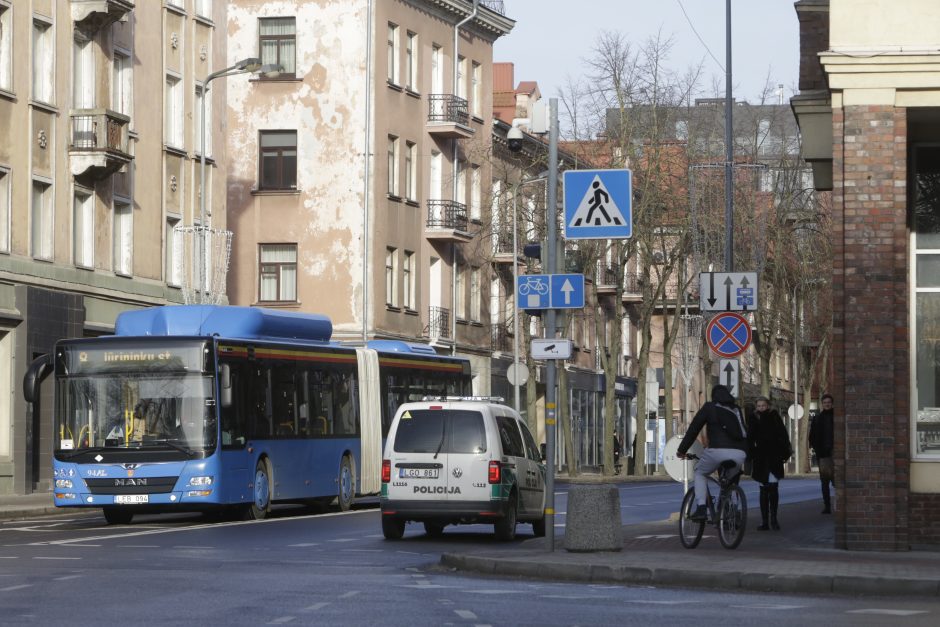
point(418, 473)
point(131, 499)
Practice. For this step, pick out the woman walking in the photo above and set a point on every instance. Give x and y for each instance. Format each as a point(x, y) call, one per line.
point(770, 448)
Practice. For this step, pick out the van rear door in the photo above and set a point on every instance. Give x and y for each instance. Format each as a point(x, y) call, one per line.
point(419, 470)
point(467, 456)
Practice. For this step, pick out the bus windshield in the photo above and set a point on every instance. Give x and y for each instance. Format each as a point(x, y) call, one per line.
point(135, 411)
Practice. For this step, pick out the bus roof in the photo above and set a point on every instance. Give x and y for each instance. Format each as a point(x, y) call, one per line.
point(399, 346)
point(224, 321)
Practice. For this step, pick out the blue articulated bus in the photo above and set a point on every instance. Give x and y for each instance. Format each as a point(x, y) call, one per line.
point(201, 408)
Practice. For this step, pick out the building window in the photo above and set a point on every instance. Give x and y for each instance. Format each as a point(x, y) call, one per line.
point(411, 62)
point(437, 70)
point(476, 193)
point(278, 43)
point(123, 237)
point(392, 166)
point(411, 171)
point(460, 189)
point(204, 8)
point(461, 305)
point(121, 86)
point(392, 53)
point(197, 126)
point(43, 61)
point(83, 73)
point(174, 251)
point(476, 78)
point(173, 124)
point(278, 273)
point(278, 160)
point(462, 77)
point(391, 277)
point(83, 228)
point(5, 210)
point(6, 47)
point(176, 3)
point(408, 280)
point(476, 310)
point(41, 233)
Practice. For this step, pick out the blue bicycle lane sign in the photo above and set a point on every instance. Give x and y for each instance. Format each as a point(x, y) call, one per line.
point(534, 291)
point(728, 334)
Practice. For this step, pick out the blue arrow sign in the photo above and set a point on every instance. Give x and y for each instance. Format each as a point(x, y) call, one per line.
point(550, 291)
point(598, 204)
point(567, 291)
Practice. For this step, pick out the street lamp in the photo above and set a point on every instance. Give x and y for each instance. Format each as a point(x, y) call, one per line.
point(515, 283)
point(251, 65)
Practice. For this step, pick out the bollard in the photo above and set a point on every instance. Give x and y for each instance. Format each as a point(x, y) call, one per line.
point(593, 519)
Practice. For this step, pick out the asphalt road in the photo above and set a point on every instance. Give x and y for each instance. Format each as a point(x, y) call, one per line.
point(336, 569)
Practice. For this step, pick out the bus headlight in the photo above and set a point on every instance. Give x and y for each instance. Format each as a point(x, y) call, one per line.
point(63, 483)
point(200, 481)
point(192, 493)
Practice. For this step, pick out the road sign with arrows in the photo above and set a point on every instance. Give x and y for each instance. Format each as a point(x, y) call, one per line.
point(728, 370)
point(728, 291)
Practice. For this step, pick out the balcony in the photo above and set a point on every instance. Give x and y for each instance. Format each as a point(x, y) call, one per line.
point(448, 116)
point(607, 283)
point(92, 16)
point(502, 248)
point(501, 337)
point(438, 323)
point(98, 145)
point(447, 221)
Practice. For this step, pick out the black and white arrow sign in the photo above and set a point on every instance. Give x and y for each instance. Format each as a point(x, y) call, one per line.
point(728, 291)
point(728, 370)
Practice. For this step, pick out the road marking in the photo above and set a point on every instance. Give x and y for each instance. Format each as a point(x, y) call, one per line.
point(658, 537)
point(491, 591)
point(282, 620)
point(12, 588)
point(363, 550)
point(186, 546)
point(465, 614)
point(654, 602)
point(344, 539)
point(57, 558)
point(9, 557)
point(770, 607)
point(66, 577)
point(303, 544)
point(885, 612)
point(315, 607)
point(138, 546)
point(85, 545)
point(349, 594)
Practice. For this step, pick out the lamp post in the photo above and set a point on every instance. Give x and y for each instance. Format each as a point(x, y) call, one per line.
point(251, 65)
point(515, 283)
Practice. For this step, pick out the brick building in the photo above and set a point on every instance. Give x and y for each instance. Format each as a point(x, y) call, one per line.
point(869, 112)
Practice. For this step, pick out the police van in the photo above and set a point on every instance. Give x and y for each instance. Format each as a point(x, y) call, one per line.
point(461, 460)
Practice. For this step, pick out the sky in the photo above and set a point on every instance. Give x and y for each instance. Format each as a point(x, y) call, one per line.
point(552, 38)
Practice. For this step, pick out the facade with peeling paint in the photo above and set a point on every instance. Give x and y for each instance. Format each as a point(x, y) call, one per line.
point(98, 162)
point(360, 174)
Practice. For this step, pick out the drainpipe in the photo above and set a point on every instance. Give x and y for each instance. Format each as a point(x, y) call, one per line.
point(366, 178)
point(453, 282)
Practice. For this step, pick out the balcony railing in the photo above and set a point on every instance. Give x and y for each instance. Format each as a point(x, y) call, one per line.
point(447, 214)
point(438, 322)
point(94, 15)
point(501, 337)
point(448, 116)
point(607, 280)
point(98, 142)
point(502, 245)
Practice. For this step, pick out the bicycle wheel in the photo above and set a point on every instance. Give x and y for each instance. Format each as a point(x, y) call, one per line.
point(690, 531)
point(732, 517)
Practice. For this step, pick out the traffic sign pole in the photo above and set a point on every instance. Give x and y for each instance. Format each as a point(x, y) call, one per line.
point(551, 208)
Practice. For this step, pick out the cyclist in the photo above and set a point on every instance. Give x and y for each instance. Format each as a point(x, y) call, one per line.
point(727, 441)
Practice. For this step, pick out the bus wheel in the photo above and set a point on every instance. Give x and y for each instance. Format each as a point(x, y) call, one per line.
point(347, 485)
point(261, 502)
point(118, 515)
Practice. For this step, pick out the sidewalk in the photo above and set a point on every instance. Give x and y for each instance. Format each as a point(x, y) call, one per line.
point(18, 507)
point(800, 558)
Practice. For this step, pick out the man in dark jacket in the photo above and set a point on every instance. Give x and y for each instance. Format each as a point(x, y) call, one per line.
point(727, 440)
point(820, 438)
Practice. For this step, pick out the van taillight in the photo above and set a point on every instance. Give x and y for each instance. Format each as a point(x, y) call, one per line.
point(496, 472)
point(386, 470)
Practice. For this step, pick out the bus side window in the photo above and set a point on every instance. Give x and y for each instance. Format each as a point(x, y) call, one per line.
point(234, 417)
point(345, 403)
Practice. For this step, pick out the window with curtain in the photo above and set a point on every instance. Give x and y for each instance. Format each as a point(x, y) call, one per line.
point(83, 72)
point(411, 62)
point(204, 8)
point(83, 228)
point(461, 305)
point(277, 38)
point(411, 171)
point(476, 78)
point(393, 165)
point(392, 53)
point(123, 238)
point(462, 77)
point(41, 227)
point(476, 310)
point(476, 193)
point(278, 273)
point(197, 126)
point(173, 112)
point(174, 248)
point(278, 159)
point(43, 51)
point(121, 90)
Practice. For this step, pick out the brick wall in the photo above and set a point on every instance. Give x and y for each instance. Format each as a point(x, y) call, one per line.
point(925, 519)
point(814, 38)
point(871, 345)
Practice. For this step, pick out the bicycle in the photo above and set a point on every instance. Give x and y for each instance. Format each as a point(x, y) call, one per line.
point(730, 515)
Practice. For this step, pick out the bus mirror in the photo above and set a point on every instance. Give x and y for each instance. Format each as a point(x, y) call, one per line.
point(32, 380)
point(226, 384)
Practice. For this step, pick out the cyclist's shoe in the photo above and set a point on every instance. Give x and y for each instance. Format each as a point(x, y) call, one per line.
point(700, 514)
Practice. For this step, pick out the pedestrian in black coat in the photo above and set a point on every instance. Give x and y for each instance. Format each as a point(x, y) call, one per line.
point(770, 448)
point(821, 439)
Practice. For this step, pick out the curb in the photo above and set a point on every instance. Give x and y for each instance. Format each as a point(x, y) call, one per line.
point(735, 580)
point(22, 514)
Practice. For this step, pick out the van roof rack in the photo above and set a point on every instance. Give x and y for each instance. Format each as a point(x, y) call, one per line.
point(483, 399)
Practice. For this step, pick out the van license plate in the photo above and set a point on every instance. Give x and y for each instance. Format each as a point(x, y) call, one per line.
point(418, 473)
point(131, 499)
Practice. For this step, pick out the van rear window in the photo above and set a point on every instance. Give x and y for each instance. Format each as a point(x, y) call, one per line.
point(447, 431)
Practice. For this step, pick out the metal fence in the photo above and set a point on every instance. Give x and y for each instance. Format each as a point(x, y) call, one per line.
point(448, 108)
point(447, 214)
point(438, 322)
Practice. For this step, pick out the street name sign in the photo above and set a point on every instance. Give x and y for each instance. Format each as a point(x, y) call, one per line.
point(550, 291)
point(728, 371)
point(551, 349)
point(727, 291)
point(598, 204)
point(728, 334)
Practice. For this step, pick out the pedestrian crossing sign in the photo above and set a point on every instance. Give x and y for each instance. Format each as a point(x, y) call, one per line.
point(598, 204)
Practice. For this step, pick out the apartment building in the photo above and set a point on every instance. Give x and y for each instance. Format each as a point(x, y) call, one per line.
point(99, 157)
point(357, 180)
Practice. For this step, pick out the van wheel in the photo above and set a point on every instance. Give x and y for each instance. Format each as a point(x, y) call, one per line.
point(261, 502)
point(433, 529)
point(538, 527)
point(505, 527)
point(118, 515)
point(393, 528)
point(347, 485)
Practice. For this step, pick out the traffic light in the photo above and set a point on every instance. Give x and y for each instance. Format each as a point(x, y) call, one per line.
point(533, 250)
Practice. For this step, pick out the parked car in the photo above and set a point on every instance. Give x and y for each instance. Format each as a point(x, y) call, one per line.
point(465, 460)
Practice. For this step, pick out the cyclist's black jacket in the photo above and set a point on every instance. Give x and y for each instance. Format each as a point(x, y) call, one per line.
point(723, 428)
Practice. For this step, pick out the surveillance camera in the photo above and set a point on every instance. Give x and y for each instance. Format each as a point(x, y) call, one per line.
point(514, 138)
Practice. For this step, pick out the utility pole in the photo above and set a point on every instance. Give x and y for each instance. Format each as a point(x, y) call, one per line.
point(729, 148)
point(551, 221)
